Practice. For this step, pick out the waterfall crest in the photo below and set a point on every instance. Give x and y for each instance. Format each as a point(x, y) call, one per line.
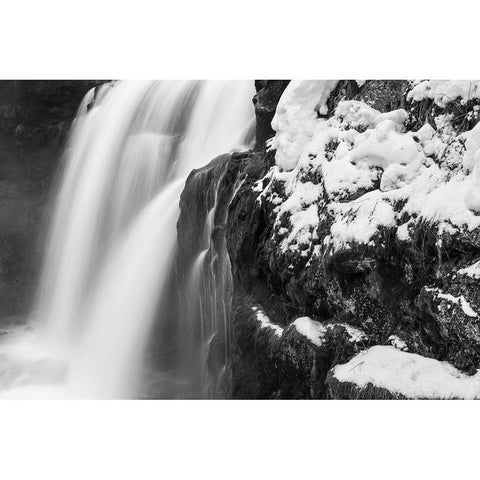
point(112, 241)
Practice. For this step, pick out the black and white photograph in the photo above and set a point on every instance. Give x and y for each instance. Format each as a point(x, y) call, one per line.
point(256, 239)
point(239, 240)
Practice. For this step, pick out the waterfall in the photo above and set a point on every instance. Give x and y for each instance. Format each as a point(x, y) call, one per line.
point(112, 242)
point(207, 279)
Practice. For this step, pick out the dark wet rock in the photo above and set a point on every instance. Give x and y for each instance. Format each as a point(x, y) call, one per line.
point(260, 364)
point(337, 390)
point(269, 364)
point(201, 229)
point(265, 101)
point(390, 288)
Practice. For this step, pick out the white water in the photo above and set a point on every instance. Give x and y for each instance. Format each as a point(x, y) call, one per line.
point(113, 235)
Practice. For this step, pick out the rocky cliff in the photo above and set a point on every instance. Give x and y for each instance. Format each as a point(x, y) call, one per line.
point(353, 240)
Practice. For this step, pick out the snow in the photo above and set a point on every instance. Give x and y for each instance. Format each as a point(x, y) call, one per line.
point(356, 113)
point(437, 196)
point(302, 222)
point(472, 147)
point(295, 117)
point(472, 271)
point(373, 174)
point(384, 146)
point(266, 323)
point(312, 330)
point(301, 207)
point(445, 91)
point(397, 342)
point(425, 133)
point(467, 309)
point(408, 374)
point(355, 334)
point(316, 331)
point(403, 233)
point(359, 221)
point(461, 300)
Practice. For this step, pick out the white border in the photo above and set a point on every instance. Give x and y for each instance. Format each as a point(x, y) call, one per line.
point(238, 39)
point(142, 440)
point(242, 39)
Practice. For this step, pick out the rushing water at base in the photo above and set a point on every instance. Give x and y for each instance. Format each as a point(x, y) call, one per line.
point(112, 241)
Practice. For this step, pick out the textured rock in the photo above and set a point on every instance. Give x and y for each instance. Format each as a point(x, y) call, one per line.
point(410, 290)
point(349, 391)
point(265, 101)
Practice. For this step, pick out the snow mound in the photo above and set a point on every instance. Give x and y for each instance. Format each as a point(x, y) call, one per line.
point(407, 374)
point(298, 108)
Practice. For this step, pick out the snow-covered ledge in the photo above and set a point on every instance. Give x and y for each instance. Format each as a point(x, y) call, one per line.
point(407, 374)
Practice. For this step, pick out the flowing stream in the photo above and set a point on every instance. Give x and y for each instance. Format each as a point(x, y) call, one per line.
point(112, 242)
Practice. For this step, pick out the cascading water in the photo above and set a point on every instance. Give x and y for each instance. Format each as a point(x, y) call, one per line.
point(207, 280)
point(112, 242)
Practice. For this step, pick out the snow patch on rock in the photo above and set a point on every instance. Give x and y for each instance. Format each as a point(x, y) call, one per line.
point(407, 374)
point(296, 116)
point(311, 329)
point(445, 91)
point(472, 271)
point(397, 342)
point(461, 300)
point(316, 331)
point(266, 323)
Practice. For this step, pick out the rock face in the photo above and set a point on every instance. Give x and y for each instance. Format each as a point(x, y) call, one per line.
point(313, 286)
point(204, 276)
point(35, 117)
point(265, 101)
